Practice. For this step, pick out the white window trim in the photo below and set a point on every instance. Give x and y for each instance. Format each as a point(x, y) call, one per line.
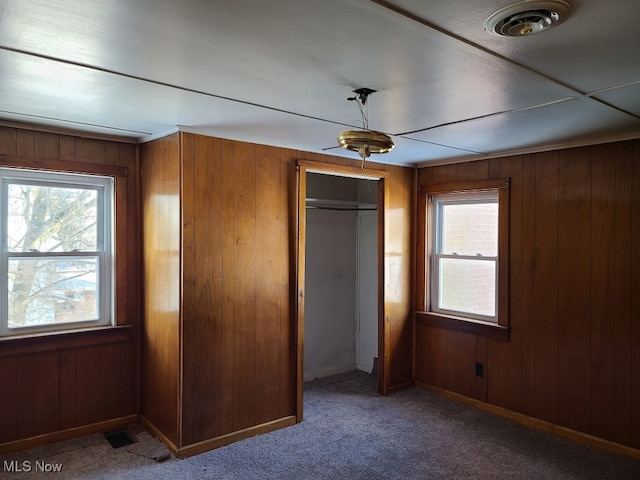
point(104, 187)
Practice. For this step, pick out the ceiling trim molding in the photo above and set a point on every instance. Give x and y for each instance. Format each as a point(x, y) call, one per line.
point(155, 136)
point(68, 131)
point(526, 151)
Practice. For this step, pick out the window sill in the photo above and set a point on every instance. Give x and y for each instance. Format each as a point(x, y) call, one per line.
point(474, 327)
point(44, 342)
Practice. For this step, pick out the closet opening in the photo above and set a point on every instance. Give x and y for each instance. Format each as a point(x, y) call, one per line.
point(340, 273)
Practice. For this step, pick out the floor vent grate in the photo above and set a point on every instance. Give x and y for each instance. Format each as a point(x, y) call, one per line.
point(119, 439)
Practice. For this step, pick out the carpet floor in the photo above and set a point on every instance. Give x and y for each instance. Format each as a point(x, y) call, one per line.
point(349, 432)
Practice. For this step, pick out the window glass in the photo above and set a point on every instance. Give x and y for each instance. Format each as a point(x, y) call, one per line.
point(51, 219)
point(468, 286)
point(470, 228)
point(52, 291)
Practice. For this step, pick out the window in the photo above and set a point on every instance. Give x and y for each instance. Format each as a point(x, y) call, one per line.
point(57, 258)
point(465, 256)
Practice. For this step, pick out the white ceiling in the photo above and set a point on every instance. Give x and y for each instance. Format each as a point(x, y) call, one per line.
point(280, 72)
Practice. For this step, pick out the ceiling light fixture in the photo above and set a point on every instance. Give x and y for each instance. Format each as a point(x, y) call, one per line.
point(527, 18)
point(364, 141)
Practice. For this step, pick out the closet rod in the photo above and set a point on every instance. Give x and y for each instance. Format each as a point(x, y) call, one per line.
point(345, 209)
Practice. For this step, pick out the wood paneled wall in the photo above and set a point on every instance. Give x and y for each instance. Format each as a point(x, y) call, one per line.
point(235, 343)
point(237, 317)
point(52, 384)
point(160, 171)
point(574, 350)
point(399, 289)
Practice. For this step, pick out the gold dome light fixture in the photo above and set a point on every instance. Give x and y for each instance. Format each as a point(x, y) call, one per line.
point(364, 141)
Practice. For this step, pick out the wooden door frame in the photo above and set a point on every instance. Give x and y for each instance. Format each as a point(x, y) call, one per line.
point(308, 166)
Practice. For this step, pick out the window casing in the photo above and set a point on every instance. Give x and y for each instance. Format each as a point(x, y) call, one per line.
point(57, 262)
point(462, 260)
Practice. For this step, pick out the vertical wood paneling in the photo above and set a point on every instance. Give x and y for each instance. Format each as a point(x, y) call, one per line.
point(464, 358)
point(271, 228)
point(8, 141)
point(90, 150)
point(238, 339)
point(438, 357)
point(244, 255)
point(495, 165)
point(113, 379)
point(90, 373)
point(603, 245)
point(480, 385)
point(574, 312)
point(47, 145)
point(398, 257)
point(489, 386)
point(25, 396)
point(451, 349)
point(486, 168)
point(49, 396)
point(509, 373)
point(288, 294)
point(422, 359)
point(161, 232)
point(46, 383)
point(635, 299)
point(68, 387)
point(123, 246)
point(623, 160)
point(129, 381)
point(8, 400)
point(192, 212)
point(25, 144)
point(468, 171)
point(130, 390)
point(528, 283)
point(545, 337)
point(228, 288)
point(202, 297)
point(299, 231)
point(574, 253)
point(112, 153)
point(67, 148)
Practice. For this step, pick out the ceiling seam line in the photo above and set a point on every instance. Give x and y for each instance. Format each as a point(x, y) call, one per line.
point(476, 47)
point(615, 87)
point(488, 115)
point(164, 84)
point(446, 146)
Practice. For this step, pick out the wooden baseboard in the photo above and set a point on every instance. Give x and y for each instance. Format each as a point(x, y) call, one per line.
point(536, 423)
point(400, 386)
point(217, 442)
point(39, 440)
point(147, 425)
point(212, 443)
